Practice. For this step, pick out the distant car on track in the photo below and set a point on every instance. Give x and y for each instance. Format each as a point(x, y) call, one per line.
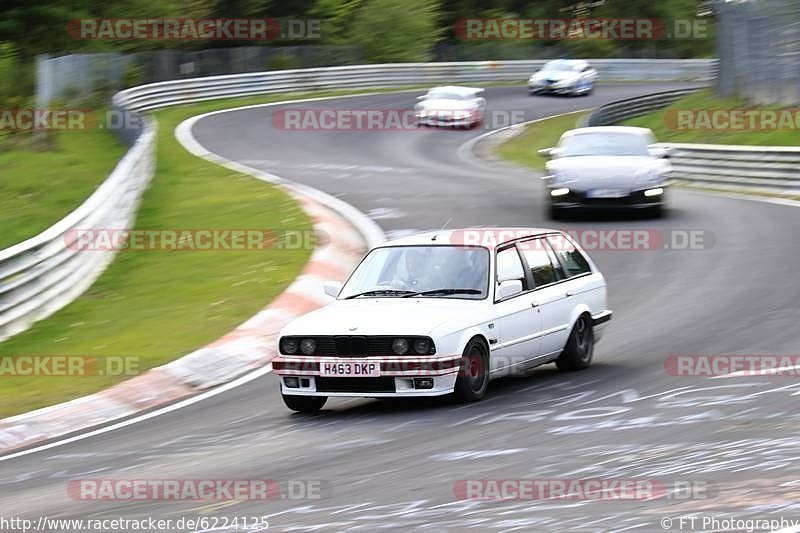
point(443, 313)
point(564, 76)
point(451, 106)
point(606, 167)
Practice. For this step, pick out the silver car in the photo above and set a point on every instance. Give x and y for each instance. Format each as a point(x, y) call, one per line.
point(451, 106)
point(606, 167)
point(564, 76)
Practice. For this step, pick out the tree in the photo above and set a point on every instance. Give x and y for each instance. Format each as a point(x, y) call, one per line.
point(396, 30)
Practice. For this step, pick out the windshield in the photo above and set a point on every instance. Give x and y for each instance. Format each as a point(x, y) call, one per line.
point(441, 271)
point(447, 95)
point(559, 66)
point(603, 144)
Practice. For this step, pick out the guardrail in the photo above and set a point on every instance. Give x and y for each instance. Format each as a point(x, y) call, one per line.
point(740, 166)
point(162, 94)
point(43, 274)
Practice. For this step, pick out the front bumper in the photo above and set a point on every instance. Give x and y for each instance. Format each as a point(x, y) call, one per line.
point(435, 120)
point(552, 89)
point(633, 200)
point(399, 376)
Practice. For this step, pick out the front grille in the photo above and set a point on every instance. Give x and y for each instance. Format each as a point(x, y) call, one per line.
point(367, 384)
point(360, 345)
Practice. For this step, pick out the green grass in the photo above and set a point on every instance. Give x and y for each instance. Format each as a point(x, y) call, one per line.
point(523, 149)
point(39, 187)
point(160, 305)
point(663, 125)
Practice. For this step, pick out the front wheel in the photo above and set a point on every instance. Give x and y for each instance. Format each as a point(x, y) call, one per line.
point(577, 354)
point(304, 404)
point(473, 375)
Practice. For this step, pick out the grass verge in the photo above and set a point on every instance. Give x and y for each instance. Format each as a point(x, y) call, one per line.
point(705, 100)
point(39, 187)
point(159, 305)
point(523, 148)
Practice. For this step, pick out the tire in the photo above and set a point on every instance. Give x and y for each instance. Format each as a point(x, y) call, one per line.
point(473, 375)
point(578, 352)
point(554, 212)
point(304, 404)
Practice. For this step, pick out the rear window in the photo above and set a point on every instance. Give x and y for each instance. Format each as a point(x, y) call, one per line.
point(575, 264)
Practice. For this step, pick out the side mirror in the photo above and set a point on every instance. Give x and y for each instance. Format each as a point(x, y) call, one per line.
point(422, 97)
point(508, 288)
point(549, 152)
point(332, 288)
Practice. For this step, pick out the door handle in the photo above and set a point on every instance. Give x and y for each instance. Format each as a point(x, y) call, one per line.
point(535, 304)
point(568, 294)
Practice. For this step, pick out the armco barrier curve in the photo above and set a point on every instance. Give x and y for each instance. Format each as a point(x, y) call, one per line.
point(41, 275)
point(741, 167)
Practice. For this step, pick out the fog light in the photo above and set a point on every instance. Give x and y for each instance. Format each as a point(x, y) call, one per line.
point(291, 382)
point(423, 383)
point(654, 192)
point(559, 192)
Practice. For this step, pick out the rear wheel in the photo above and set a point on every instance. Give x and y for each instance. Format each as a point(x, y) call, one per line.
point(304, 404)
point(577, 354)
point(473, 375)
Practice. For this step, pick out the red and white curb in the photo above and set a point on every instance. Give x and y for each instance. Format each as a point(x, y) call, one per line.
point(234, 359)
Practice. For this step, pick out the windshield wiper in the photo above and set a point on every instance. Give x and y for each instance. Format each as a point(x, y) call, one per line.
point(444, 292)
point(384, 292)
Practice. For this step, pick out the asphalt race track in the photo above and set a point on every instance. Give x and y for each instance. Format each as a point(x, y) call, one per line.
point(392, 465)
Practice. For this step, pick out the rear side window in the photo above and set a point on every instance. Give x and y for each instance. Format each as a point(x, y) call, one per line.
point(544, 268)
point(574, 262)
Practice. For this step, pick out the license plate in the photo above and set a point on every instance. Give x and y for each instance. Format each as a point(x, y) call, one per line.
point(348, 369)
point(606, 193)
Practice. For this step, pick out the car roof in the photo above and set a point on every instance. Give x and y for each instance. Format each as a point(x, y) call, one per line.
point(486, 237)
point(569, 61)
point(457, 89)
point(633, 130)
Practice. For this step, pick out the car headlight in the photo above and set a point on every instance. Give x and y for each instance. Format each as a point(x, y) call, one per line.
point(308, 346)
point(400, 346)
point(289, 346)
point(422, 346)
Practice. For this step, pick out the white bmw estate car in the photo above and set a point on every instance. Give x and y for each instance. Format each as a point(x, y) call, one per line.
point(444, 313)
point(564, 76)
point(451, 106)
point(606, 167)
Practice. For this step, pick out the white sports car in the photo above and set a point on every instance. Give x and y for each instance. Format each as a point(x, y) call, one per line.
point(443, 313)
point(451, 106)
point(563, 76)
point(607, 167)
